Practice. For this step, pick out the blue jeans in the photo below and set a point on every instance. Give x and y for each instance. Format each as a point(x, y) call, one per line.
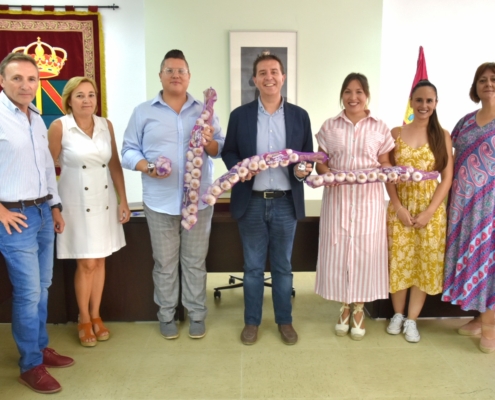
point(29, 258)
point(268, 226)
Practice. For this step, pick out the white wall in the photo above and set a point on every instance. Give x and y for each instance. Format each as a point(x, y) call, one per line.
point(457, 36)
point(335, 37)
point(123, 31)
point(379, 38)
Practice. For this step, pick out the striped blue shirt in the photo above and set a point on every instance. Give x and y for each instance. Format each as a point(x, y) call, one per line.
point(27, 171)
point(156, 130)
point(271, 137)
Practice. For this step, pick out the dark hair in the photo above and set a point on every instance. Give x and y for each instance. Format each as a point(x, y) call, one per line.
point(265, 55)
point(434, 132)
point(473, 94)
point(356, 76)
point(13, 57)
point(174, 54)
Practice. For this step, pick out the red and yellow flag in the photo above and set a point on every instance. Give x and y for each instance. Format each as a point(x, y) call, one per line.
point(420, 75)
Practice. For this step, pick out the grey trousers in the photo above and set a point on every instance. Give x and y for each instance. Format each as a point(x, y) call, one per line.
point(172, 243)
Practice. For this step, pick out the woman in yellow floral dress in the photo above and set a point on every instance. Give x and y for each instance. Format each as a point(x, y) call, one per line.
point(416, 215)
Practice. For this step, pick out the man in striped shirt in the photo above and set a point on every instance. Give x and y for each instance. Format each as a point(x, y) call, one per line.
point(29, 215)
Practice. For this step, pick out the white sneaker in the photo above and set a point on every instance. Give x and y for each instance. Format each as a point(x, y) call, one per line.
point(395, 325)
point(411, 331)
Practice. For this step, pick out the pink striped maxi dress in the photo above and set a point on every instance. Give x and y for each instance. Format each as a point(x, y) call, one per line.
point(352, 254)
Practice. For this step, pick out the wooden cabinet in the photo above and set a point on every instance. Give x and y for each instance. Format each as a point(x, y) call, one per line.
point(128, 294)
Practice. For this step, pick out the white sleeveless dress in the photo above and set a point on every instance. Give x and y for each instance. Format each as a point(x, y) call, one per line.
point(89, 201)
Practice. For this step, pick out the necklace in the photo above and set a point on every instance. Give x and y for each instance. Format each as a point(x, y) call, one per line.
point(89, 128)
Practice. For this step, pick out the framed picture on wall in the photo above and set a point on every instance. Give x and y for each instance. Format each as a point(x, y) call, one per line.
point(245, 46)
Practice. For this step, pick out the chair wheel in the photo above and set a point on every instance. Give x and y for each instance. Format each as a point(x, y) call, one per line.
point(231, 281)
point(217, 294)
point(293, 293)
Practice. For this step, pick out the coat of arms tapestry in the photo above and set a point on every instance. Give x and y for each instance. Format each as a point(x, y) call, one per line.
point(64, 45)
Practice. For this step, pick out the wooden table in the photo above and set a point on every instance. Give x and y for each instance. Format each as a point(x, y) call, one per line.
point(128, 294)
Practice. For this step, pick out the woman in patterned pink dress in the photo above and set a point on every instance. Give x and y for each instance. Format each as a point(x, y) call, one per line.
point(470, 256)
point(352, 257)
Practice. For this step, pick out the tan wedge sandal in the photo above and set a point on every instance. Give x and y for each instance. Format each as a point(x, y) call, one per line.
point(101, 332)
point(357, 333)
point(86, 334)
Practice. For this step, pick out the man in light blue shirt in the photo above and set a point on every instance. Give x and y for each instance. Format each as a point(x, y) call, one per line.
point(30, 214)
point(162, 127)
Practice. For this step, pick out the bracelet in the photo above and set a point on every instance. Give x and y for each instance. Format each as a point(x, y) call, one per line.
point(397, 212)
point(295, 175)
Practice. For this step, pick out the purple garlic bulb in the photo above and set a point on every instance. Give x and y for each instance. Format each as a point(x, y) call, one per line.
point(163, 166)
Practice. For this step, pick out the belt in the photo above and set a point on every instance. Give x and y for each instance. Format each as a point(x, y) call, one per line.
point(26, 203)
point(273, 194)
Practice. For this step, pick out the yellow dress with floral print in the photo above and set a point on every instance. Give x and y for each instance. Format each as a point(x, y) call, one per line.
point(416, 256)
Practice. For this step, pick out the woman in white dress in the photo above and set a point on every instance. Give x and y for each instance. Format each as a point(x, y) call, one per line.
point(85, 146)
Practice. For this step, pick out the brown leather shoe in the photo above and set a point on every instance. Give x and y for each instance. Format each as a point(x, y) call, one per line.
point(249, 334)
point(51, 359)
point(288, 333)
point(39, 380)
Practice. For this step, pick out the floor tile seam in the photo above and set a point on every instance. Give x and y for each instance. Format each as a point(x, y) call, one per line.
point(11, 377)
point(461, 376)
point(148, 339)
point(129, 374)
point(92, 351)
point(140, 355)
point(349, 347)
point(187, 350)
point(306, 398)
point(241, 392)
point(475, 392)
point(445, 360)
point(297, 349)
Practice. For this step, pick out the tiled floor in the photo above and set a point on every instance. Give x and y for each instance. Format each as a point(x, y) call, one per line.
point(137, 363)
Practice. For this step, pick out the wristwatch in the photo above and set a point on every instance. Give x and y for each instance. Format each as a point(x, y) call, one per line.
point(59, 206)
point(151, 168)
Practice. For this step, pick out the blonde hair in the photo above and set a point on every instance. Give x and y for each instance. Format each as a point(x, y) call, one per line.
point(71, 85)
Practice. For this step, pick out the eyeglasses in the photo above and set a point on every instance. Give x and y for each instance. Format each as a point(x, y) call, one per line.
point(180, 71)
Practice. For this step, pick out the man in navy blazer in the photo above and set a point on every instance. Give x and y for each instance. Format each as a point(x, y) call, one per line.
point(267, 204)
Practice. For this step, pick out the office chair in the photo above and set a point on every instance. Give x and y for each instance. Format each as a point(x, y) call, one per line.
point(232, 285)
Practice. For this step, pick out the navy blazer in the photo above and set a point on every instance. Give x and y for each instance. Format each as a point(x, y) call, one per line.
point(240, 143)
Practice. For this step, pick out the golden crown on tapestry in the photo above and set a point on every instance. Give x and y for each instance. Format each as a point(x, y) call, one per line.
point(50, 64)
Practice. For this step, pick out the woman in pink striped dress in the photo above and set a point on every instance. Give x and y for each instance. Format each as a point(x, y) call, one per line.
point(353, 256)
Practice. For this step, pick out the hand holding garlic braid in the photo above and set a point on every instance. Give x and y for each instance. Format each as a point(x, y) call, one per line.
point(249, 167)
point(201, 136)
point(386, 175)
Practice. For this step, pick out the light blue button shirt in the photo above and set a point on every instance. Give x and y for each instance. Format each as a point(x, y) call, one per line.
point(156, 130)
point(27, 171)
point(271, 137)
